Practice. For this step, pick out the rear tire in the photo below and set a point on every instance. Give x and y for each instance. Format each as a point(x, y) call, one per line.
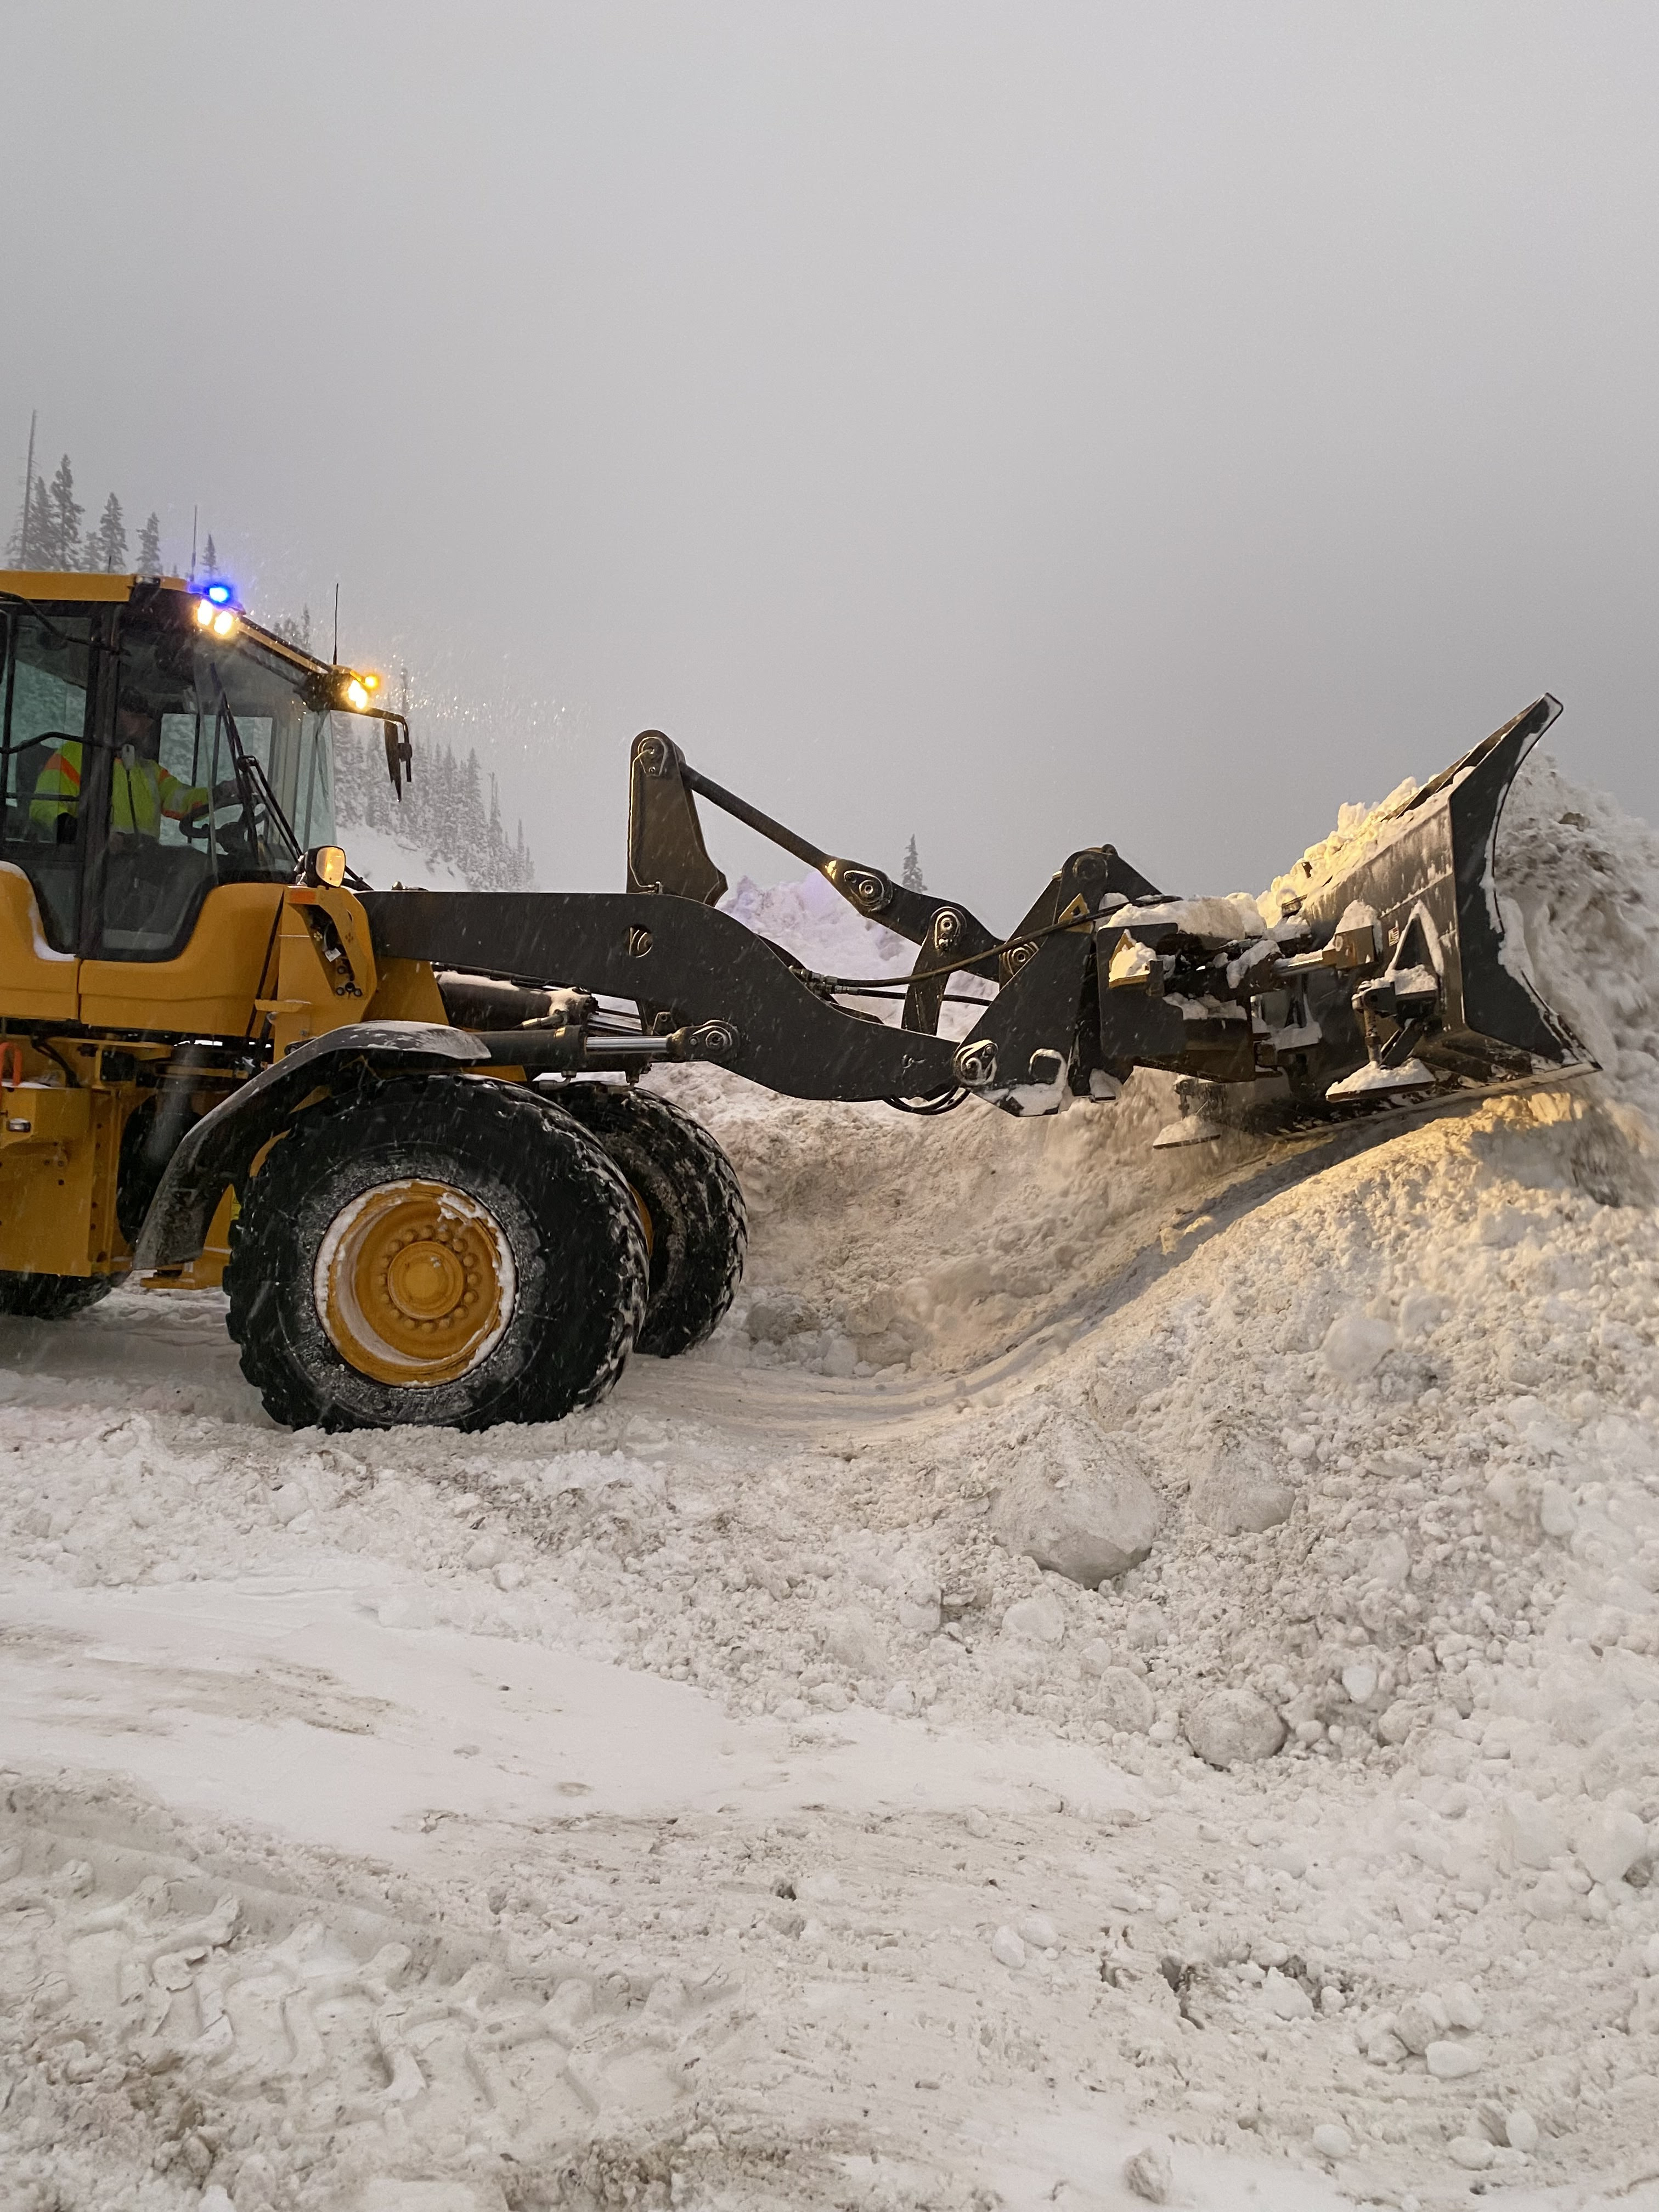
point(52, 1297)
point(689, 1192)
point(434, 1249)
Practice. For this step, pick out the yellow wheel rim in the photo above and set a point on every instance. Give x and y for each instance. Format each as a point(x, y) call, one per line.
point(414, 1282)
point(645, 1223)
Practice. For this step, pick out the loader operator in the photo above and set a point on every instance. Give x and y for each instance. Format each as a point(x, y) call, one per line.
point(143, 794)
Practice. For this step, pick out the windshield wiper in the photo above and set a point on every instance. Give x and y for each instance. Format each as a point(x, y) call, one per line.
point(252, 783)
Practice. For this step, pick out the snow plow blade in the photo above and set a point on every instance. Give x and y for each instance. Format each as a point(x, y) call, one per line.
point(1382, 980)
point(1454, 993)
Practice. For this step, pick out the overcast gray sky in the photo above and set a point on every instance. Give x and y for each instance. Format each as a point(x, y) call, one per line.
point(1028, 425)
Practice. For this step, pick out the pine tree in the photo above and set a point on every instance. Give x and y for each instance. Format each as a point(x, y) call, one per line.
point(150, 546)
point(28, 543)
point(911, 877)
point(472, 839)
point(64, 513)
point(209, 559)
point(109, 541)
point(40, 527)
point(496, 853)
point(17, 545)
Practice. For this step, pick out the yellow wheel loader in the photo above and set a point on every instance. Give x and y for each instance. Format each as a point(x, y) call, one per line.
point(181, 955)
point(402, 1129)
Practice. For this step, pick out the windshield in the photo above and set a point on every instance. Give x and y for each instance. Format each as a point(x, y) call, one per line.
point(243, 734)
point(222, 774)
point(219, 766)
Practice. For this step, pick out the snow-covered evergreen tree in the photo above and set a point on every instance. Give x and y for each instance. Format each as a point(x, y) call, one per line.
point(63, 520)
point(442, 812)
point(109, 541)
point(295, 629)
point(150, 546)
point(911, 877)
point(27, 548)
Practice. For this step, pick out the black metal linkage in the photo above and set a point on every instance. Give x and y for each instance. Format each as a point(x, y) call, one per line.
point(700, 965)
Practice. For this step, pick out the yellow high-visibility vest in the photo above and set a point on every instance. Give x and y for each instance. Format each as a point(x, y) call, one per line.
point(142, 792)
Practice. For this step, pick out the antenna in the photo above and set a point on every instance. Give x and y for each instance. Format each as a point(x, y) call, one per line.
point(193, 511)
point(28, 499)
point(337, 623)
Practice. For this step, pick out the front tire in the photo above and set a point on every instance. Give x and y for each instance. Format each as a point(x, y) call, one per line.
point(52, 1297)
point(689, 1192)
point(435, 1249)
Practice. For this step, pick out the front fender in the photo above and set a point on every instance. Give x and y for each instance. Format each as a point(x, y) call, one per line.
point(223, 1145)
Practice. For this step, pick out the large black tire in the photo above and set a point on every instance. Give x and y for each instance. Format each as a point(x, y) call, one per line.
point(52, 1297)
point(340, 1247)
point(689, 1192)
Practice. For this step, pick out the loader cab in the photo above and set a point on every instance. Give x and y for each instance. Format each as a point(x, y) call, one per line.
point(149, 751)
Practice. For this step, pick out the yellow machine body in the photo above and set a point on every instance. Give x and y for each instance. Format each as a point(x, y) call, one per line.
point(93, 1035)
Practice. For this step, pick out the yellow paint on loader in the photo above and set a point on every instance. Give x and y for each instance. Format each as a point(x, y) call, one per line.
point(88, 1044)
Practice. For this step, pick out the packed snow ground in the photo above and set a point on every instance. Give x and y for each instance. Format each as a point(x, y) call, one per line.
point(696, 1803)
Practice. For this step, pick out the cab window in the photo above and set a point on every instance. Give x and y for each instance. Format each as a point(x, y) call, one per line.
point(44, 733)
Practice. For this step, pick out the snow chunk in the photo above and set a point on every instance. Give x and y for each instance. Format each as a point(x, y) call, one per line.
point(1610, 1842)
point(1421, 2020)
point(1148, 2172)
point(1037, 1619)
point(1473, 2152)
point(1213, 921)
point(1078, 1506)
point(1354, 1346)
point(1234, 1728)
point(1522, 2130)
point(1007, 1949)
point(1286, 1998)
point(1452, 2062)
point(1126, 1702)
point(1239, 1494)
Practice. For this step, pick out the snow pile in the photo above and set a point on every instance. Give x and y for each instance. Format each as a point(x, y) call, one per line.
point(1358, 828)
point(811, 919)
point(1583, 880)
point(1114, 1670)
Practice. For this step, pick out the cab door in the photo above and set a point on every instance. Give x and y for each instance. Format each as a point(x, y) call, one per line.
point(47, 713)
point(179, 927)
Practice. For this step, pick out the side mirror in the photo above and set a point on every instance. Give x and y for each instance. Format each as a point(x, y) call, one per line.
point(324, 865)
point(399, 755)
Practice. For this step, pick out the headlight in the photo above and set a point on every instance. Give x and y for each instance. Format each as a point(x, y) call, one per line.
point(215, 613)
point(356, 694)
